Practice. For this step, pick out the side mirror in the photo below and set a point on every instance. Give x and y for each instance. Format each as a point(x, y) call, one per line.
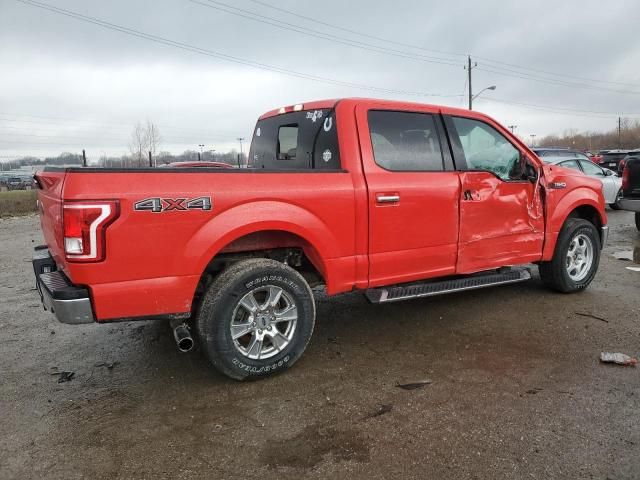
point(608, 173)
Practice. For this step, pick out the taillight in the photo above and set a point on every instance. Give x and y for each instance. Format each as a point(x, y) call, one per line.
point(84, 229)
point(625, 178)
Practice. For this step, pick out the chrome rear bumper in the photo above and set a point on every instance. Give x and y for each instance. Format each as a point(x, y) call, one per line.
point(69, 303)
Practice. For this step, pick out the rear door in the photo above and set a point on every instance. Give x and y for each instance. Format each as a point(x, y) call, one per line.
point(501, 214)
point(413, 193)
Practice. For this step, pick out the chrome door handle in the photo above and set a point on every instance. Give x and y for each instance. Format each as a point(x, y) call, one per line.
point(388, 198)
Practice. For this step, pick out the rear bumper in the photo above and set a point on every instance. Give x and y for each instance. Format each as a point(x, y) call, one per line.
point(631, 204)
point(69, 303)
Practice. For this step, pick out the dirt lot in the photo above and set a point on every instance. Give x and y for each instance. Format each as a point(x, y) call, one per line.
point(517, 390)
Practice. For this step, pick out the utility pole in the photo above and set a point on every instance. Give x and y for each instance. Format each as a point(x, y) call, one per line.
point(513, 129)
point(84, 158)
point(201, 145)
point(619, 133)
point(150, 159)
point(533, 139)
point(240, 139)
point(469, 68)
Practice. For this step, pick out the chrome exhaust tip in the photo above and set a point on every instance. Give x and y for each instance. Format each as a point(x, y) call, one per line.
point(183, 338)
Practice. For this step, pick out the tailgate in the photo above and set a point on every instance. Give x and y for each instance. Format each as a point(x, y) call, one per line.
point(50, 184)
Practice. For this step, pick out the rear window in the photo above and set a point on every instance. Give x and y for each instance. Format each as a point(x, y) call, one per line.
point(297, 140)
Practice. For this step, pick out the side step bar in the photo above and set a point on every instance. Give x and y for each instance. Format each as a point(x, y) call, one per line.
point(440, 287)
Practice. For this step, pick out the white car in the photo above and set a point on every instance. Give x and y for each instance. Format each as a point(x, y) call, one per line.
point(611, 182)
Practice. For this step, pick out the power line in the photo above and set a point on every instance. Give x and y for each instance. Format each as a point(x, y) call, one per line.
point(317, 34)
point(489, 60)
point(373, 37)
point(218, 55)
point(559, 109)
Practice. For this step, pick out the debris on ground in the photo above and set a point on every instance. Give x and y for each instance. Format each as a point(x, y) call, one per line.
point(634, 269)
point(626, 256)
point(109, 365)
point(414, 385)
point(618, 358)
point(590, 315)
point(382, 409)
point(533, 391)
point(66, 377)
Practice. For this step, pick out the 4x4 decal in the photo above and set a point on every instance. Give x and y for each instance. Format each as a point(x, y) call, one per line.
point(158, 205)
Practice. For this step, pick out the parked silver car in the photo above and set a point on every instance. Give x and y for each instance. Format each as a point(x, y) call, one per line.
point(611, 182)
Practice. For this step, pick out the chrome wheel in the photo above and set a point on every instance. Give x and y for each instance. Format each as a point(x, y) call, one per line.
point(264, 322)
point(579, 257)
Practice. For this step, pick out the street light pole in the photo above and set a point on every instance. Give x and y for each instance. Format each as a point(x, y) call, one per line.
point(240, 139)
point(201, 145)
point(533, 139)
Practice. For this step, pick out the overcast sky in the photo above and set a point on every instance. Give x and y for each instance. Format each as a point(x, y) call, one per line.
point(66, 84)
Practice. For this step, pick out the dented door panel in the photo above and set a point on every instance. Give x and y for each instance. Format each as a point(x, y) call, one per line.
point(501, 223)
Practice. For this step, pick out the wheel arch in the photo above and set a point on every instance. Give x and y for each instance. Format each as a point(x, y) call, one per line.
point(580, 203)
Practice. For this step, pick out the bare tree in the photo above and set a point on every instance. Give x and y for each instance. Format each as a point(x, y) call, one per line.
point(138, 144)
point(153, 138)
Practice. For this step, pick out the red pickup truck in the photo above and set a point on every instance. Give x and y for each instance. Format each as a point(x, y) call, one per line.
point(398, 200)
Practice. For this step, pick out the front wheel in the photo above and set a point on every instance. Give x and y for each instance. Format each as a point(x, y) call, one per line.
point(616, 205)
point(256, 319)
point(576, 258)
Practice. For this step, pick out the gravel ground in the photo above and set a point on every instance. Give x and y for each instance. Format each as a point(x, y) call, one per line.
point(517, 389)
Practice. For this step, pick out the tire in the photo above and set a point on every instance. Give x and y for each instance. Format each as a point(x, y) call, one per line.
point(638, 221)
point(265, 348)
point(562, 273)
point(616, 206)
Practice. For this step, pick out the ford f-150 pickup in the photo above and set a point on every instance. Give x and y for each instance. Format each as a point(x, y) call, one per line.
point(397, 200)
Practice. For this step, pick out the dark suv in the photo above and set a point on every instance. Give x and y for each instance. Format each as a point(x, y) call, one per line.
point(612, 159)
point(631, 187)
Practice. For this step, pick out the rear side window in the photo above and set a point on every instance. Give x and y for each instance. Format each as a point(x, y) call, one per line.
point(306, 139)
point(287, 142)
point(405, 141)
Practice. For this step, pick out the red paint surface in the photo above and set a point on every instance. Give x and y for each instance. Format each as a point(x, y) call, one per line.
point(154, 260)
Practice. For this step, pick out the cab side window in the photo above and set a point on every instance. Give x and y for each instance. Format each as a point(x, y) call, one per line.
point(487, 149)
point(405, 141)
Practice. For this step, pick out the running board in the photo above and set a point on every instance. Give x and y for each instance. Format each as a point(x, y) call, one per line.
point(440, 287)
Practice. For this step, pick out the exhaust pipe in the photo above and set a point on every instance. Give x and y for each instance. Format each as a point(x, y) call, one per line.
point(183, 337)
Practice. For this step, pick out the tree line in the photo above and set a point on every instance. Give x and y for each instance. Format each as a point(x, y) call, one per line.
point(626, 137)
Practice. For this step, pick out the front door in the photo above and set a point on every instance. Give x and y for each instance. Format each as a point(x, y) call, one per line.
point(413, 194)
point(501, 213)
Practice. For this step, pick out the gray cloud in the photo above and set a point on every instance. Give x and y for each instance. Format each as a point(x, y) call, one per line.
point(68, 85)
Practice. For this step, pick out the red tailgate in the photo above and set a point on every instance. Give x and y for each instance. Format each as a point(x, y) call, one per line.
point(50, 210)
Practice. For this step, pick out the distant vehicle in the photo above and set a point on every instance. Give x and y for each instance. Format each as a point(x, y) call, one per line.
point(16, 183)
point(560, 153)
point(611, 183)
point(631, 187)
point(199, 165)
point(612, 159)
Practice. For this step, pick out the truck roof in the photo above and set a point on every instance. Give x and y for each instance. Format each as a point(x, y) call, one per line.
point(331, 103)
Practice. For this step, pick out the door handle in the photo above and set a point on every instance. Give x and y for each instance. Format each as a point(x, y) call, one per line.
point(387, 198)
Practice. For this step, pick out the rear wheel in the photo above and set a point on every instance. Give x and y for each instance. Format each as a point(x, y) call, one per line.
point(576, 258)
point(256, 319)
